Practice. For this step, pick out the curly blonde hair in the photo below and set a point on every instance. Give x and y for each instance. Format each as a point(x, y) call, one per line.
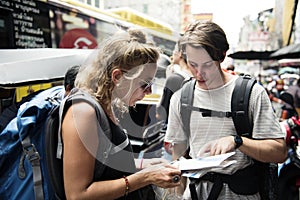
point(125, 51)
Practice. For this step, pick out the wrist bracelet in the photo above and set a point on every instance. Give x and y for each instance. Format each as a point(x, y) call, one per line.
point(126, 186)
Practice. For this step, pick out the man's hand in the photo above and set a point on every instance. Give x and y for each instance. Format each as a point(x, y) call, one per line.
point(217, 147)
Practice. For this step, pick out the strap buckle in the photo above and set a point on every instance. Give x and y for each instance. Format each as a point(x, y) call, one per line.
point(31, 153)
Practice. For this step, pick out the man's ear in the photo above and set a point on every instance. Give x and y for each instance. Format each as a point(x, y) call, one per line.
point(116, 76)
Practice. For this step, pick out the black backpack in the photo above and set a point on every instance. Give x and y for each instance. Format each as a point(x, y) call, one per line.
point(54, 142)
point(266, 172)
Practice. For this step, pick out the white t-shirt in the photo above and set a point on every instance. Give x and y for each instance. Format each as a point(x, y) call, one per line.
point(205, 129)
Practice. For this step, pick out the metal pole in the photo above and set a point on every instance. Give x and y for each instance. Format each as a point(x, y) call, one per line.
point(293, 22)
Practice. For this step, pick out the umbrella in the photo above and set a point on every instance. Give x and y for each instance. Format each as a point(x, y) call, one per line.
point(268, 72)
point(290, 51)
point(289, 70)
point(27, 66)
point(251, 55)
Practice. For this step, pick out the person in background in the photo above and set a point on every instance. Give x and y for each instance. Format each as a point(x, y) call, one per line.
point(173, 82)
point(277, 104)
point(294, 90)
point(70, 77)
point(279, 88)
point(120, 74)
point(205, 45)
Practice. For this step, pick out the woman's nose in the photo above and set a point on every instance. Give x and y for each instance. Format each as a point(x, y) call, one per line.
point(148, 90)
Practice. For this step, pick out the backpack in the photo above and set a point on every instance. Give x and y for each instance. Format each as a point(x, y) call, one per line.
point(54, 141)
point(23, 169)
point(28, 165)
point(267, 177)
point(11, 111)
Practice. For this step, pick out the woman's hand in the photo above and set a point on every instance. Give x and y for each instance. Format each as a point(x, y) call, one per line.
point(162, 175)
point(145, 163)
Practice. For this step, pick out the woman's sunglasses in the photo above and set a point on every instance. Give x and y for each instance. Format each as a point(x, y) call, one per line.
point(146, 85)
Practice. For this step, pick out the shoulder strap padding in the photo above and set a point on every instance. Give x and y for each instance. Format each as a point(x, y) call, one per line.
point(240, 104)
point(80, 96)
point(187, 96)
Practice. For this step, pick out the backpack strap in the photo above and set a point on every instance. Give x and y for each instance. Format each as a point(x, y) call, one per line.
point(34, 158)
point(187, 95)
point(240, 104)
point(106, 147)
point(80, 96)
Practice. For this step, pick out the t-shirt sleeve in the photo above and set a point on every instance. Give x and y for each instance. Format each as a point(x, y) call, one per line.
point(265, 122)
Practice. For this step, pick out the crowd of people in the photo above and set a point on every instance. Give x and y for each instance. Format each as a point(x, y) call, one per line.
point(284, 97)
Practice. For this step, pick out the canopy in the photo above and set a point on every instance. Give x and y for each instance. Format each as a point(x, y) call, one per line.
point(291, 51)
point(25, 66)
point(292, 62)
point(251, 55)
point(289, 70)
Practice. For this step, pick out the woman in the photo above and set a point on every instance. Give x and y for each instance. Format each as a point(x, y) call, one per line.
point(119, 76)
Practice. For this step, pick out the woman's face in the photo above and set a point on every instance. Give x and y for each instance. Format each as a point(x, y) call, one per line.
point(205, 70)
point(133, 90)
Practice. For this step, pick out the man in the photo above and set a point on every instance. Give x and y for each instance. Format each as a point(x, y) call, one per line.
point(70, 77)
point(205, 46)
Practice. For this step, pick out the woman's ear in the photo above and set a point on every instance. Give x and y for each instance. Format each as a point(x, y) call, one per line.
point(116, 76)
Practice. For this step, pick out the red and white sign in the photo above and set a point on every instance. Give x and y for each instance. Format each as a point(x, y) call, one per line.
point(78, 39)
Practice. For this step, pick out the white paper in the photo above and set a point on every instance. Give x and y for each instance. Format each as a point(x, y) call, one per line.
point(200, 172)
point(202, 163)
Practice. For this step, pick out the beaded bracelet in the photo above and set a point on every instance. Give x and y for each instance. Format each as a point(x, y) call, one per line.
point(126, 185)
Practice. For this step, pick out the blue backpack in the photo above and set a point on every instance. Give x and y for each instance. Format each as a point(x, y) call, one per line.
point(29, 165)
point(23, 168)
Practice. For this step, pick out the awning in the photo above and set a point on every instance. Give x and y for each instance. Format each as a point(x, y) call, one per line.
point(251, 55)
point(293, 62)
point(291, 51)
point(28, 66)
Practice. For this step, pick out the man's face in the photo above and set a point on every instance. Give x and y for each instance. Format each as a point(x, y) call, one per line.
point(204, 68)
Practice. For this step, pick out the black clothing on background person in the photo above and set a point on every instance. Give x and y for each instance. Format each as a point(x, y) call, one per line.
point(173, 83)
